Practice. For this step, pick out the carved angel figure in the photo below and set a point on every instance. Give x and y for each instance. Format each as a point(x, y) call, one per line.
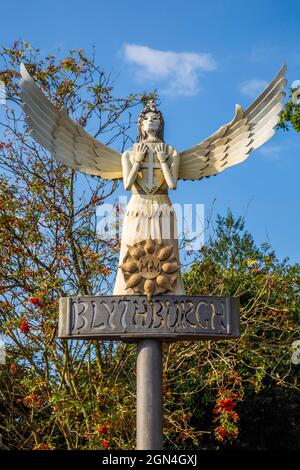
point(149, 257)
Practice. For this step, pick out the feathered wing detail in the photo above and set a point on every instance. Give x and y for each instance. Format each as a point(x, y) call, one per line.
point(67, 141)
point(232, 143)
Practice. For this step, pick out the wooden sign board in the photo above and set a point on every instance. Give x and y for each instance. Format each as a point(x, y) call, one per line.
point(165, 317)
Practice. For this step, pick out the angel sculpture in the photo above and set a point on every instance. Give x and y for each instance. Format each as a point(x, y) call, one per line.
point(149, 256)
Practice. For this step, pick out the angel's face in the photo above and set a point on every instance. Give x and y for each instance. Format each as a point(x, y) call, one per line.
point(151, 123)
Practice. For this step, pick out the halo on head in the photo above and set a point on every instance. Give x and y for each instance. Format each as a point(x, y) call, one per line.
point(150, 107)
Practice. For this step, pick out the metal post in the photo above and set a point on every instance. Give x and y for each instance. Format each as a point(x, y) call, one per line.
point(149, 401)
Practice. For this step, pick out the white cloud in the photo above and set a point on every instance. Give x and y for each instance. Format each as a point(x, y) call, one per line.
point(265, 52)
point(179, 71)
point(271, 151)
point(253, 87)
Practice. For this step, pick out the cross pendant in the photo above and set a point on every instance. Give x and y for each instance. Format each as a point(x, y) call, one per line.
point(150, 165)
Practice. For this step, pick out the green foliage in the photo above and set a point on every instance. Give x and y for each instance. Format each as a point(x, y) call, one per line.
point(290, 116)
point(257, 367)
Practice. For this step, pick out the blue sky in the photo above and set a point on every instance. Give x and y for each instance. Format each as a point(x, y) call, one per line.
point(225, 52)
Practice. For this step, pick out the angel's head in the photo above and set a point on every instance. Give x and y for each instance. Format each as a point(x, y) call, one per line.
point(150, 123)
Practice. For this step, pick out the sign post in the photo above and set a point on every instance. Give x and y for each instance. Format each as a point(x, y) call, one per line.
point(149, 323)
point(149, 399)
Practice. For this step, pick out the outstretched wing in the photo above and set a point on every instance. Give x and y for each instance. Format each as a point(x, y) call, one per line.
point(232, 143)
point(67, 141)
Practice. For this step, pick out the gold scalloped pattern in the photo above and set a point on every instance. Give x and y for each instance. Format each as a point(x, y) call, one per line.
point(150, 268)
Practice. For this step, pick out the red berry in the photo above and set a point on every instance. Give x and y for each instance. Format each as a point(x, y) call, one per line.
point(223, 432)
point(102, 430)
point(227, 404)
point(105, 443)
point(25, 327)
point(13, 368)
point(34, 301)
